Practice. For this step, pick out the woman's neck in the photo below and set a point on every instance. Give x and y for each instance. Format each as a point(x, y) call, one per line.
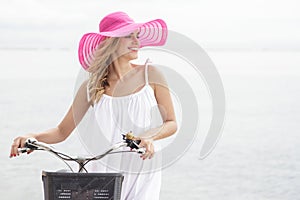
point(119, 69)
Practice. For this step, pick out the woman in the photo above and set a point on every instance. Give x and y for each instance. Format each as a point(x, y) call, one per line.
point(122, 96)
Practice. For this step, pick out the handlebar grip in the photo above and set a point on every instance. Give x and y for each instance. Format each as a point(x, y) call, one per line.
point(23, 150)
point(28, 146)
point(141, 150)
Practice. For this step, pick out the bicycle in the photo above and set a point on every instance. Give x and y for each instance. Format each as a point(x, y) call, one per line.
point(80, 185)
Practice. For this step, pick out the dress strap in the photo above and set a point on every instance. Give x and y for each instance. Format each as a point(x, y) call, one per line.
point(88, 92)
point(146, 71)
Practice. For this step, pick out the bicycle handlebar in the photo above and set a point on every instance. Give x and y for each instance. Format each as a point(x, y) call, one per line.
point(128, 141)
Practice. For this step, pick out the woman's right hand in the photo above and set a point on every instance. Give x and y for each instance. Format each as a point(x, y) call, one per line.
point(19, 142)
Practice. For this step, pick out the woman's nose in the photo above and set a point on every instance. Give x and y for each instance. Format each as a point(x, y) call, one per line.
point(135, 39)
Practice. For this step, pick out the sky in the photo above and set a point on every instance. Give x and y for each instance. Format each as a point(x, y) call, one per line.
point(255, 24)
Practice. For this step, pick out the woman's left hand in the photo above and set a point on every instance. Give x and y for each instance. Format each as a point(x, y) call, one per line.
point(148, 145)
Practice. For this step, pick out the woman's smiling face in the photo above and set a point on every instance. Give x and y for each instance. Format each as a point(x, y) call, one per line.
point(129, 46)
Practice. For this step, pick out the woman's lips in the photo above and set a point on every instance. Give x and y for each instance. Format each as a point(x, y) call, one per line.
point(133, 48)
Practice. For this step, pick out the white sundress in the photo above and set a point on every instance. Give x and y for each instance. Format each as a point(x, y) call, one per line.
point(138, 113)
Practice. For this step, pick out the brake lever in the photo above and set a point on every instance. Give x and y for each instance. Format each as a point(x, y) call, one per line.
point(134, 144)
point(29, 144)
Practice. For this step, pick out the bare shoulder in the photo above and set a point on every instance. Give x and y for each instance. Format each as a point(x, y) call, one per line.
point(155, 75)
point(153, 69)
point(83, 94)
point(83, 86)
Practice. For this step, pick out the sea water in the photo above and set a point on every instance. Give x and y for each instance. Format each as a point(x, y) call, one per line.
point(257, 156)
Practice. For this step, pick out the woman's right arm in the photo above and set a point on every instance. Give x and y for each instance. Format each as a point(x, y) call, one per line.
point(74, 115)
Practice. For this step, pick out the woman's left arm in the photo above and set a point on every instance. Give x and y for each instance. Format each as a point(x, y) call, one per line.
point(165, 104)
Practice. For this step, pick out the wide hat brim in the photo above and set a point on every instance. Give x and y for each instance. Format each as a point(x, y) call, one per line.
point(152, 33)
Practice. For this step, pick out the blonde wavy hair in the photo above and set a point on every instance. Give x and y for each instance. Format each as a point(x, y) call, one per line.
point(99, 69)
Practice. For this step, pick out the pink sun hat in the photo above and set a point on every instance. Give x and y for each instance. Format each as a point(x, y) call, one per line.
point(119, 24)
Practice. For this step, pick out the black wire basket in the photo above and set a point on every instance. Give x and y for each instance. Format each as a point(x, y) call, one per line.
point(82, 186)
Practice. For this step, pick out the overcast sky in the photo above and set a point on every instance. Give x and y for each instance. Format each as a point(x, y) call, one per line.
point(211, 23)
